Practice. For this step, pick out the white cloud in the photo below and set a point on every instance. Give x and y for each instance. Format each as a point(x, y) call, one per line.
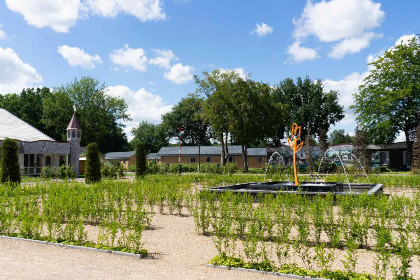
point(2, 33)
point(142, 106)
point(240, 71)
point(405, 38)
point(351, 45)
point(180, 74)
point(163, 58)
point(262, 30)
point(14, 73)
point(345, 21)
point(144, 10)
point(299, 54)
point(78, 57)
point(59, 15)
point(130, 58)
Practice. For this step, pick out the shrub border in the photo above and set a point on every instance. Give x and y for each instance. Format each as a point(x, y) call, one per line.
point(291, 276)
point(69, 246)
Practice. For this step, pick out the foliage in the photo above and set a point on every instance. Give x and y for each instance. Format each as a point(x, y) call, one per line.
point(338, 136)
point(93, 164)
point(141, 161)
point(360, 149)
point(188, 116)
point(99, 114)
point(28, 106)
point(112, 170)
point(9, 164)
point(389, 99)
point(152, 135)
point(416, 152)
point(62, 172)
point(309, 106)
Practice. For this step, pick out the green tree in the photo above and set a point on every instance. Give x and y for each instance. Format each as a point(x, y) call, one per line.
point(141, 162)
point(93, 164)
point(188, 116)
point(388, 101)
point(218, 87)
point(152, 135)
point(338, 136)
point(27, 105)
point(99, 114)
point(9, 164)
point(360, 149)
point(251, 115)
point(309, 105)
point(416, 152)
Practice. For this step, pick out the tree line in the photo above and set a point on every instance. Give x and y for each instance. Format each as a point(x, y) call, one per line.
point(228, 109)
point(50, 111)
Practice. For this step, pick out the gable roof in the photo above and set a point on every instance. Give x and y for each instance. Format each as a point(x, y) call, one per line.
point(14, 128)
point(153, 156)
point(209, 151)
point(119, 155)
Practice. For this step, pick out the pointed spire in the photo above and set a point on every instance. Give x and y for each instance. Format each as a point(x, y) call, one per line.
point(74, 124)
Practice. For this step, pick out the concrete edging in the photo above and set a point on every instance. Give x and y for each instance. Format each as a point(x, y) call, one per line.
point(77, 247)
point(291, 276)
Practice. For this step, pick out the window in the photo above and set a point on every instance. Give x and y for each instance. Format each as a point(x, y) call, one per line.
point(192, 159)
point(123, 161)
point(78, 134)
point(47, 161)
point(231, 159)
point(73, 133)
point(208, 159)
point(68, 134)
point(259, 159)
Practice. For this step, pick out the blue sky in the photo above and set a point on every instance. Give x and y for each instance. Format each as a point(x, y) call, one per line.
point(147, 50)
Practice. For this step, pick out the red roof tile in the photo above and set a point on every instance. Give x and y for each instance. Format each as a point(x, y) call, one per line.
point(74, 124)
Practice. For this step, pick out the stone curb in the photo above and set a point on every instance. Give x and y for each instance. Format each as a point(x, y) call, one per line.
point(69, 246)
point(291, 276)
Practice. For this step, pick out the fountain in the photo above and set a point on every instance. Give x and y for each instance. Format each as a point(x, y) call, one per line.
point(303, 188)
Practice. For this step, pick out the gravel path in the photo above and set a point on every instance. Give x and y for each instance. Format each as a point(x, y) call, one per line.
point(180, 254)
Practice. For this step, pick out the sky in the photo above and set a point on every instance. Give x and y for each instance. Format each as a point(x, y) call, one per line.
point(147, 51)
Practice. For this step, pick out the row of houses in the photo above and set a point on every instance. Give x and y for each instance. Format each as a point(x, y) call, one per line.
point(37, 150)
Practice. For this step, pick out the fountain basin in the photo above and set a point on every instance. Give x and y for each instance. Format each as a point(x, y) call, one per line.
point(306, 188)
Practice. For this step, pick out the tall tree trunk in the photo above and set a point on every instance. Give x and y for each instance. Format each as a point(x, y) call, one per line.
point(409, 147)
point(309, 142)
point(416, 152)
point(226, 149)
point(222, 146)
point(323, 144)
point(245, 157)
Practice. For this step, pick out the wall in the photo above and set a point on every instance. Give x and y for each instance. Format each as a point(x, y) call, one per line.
point(252, 161)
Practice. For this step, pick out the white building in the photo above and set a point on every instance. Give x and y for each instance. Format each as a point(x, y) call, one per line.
point(37, 149)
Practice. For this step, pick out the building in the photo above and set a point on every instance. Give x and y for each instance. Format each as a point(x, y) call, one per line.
point(37, 149)
point(125, 158)
point(154, 157)
point(392, 155)
point(257, 157)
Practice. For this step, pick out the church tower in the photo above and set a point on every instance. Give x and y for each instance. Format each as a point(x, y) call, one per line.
point(74, 136)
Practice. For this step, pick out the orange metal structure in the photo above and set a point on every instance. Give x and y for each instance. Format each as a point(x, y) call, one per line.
point(296, 131)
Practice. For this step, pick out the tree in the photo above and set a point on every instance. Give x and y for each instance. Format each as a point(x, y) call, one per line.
point(251, 114)
point(152, 135)
point(188, 115)
point(93, 164)
point(218, 86)
point(309, 105)
point(141, 163)
point(9, 164)
point(360, 149)
point(99, 114)
point(338, 136)
point(27, 105)
point(416, 152)
point(388, 101)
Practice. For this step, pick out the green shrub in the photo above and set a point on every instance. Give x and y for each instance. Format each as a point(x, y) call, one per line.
point(113, 169)
point(10, 162)
point(93, 164)
point(141, 162)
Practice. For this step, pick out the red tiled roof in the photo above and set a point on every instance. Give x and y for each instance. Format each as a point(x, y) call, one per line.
point(74, 124)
